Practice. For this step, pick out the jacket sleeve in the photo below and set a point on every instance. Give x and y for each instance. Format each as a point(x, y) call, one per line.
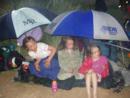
point(86, 65)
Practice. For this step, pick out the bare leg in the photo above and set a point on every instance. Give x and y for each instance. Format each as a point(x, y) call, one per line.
point(94, 82)
point(88, 84)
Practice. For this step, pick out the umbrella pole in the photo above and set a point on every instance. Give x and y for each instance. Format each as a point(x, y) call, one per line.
point(122, 55)
point(120, 47)
point(19, 49)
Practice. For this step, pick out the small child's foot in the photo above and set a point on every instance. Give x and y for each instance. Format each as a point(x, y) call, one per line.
point(54, 86)
point(99, 78)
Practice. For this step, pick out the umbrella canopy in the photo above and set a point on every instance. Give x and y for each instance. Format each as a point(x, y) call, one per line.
point(35, 33)
point(17, 22)
point(89, 24)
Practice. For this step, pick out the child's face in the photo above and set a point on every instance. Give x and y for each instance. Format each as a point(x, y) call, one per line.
point(95, 52)
point(31, 45)
point(69, 44)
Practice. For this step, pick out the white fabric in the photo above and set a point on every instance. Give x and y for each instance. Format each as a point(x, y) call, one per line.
point(13, 61)
point(25, 19)
point(25, 63)
point(42, 51)
point(107, 27)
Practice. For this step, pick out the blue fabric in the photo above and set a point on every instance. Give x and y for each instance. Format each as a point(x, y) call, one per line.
point(69, 26)
point(6, 27)
point(50, 72)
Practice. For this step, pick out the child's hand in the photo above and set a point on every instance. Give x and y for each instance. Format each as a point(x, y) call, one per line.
point(37, 67)
point(47, 63)
point(70, 71)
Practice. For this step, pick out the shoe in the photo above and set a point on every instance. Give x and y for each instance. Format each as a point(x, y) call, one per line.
point(54, 86)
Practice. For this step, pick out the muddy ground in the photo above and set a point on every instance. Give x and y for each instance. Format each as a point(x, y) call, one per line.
point(11, 89)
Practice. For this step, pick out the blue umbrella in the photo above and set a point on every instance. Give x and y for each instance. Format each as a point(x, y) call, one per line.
point(17, 22)
point(89, 24)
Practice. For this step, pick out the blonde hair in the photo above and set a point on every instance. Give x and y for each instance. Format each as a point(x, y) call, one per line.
point(62, 44)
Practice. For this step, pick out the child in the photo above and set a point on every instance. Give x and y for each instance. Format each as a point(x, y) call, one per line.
point(95, 67)
point(70, 60)
point(44, 64)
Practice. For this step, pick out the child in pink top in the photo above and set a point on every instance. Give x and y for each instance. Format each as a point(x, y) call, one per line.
point(95, 67)
point(99, 65)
